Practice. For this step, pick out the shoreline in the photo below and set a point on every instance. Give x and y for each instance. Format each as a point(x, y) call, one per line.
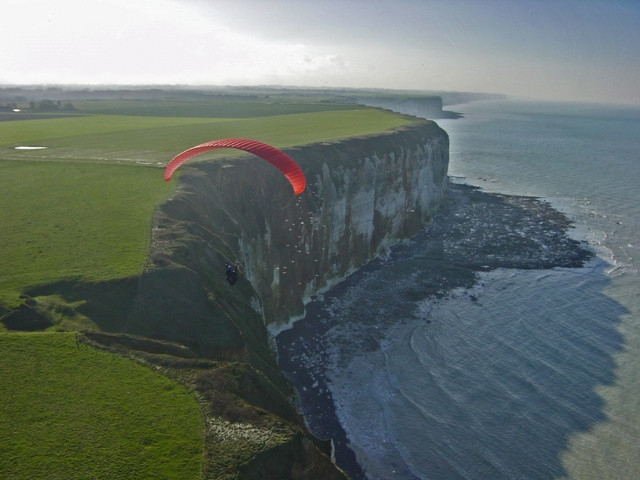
point(456, 256)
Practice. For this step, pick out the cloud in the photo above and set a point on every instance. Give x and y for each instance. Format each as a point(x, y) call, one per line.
point(570, 50)
point(146, 41)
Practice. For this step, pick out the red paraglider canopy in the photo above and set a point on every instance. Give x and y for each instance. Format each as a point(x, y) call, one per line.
point(275, 157)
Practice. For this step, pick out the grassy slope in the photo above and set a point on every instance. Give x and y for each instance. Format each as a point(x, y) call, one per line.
point(70, 412)
point(63, 220)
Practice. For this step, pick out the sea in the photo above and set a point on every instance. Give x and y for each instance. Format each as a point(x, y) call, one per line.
point(503, 341)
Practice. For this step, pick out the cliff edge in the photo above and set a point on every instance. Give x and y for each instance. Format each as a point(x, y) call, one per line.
point(363, 195)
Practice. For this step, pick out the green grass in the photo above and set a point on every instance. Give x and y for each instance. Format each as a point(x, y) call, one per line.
point(214, 107)
point(72, 221)
point(78, 413)
point(96, 138)
point(155, 140)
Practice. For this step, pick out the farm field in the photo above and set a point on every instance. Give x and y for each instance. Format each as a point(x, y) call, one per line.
point(74, 226)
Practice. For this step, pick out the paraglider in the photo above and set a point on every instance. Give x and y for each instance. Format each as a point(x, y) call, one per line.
point(231, 273)
point(275, 157)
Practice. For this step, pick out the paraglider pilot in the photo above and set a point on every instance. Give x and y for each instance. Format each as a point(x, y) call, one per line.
point(231, 273)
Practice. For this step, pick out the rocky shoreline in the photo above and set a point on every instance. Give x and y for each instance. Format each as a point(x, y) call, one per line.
point(460, 241)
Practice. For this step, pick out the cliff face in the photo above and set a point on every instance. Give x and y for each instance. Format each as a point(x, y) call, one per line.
point(425, 107)
point(362, 196)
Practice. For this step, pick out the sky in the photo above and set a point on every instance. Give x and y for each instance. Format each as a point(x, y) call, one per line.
point(575, 50)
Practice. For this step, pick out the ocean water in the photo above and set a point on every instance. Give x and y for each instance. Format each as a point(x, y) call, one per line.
point(496, 344)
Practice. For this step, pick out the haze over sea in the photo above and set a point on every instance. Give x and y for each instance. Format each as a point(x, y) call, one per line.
point(479, 349)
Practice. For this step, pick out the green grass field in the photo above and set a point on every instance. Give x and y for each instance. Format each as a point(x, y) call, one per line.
point(74, 221)
point(216, 107)
point(154, 141)
point(78, 213)
point(78, 413)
